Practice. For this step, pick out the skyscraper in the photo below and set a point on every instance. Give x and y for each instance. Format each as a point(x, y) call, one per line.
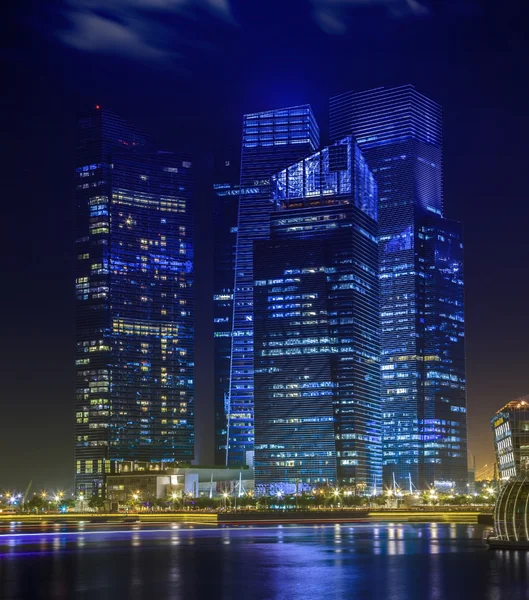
point(421, 286)
point(271, 140)
point(510, 426)
point(225, 211)
point(316, 320)
point(134, 302)
point(225, 216)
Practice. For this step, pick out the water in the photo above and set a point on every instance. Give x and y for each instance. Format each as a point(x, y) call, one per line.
point(360, 561)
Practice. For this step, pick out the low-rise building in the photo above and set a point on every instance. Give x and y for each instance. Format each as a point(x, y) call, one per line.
point(141, 481)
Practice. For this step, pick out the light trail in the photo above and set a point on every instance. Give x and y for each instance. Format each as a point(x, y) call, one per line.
point(245, 527)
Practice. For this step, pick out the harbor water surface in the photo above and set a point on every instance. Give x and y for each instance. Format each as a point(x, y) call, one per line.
point(177, 561)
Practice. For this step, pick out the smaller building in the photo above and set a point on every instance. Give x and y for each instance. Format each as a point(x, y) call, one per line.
point(510, 426)
point(138, 481)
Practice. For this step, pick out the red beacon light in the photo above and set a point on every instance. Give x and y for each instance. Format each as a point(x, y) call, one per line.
point(98, 107)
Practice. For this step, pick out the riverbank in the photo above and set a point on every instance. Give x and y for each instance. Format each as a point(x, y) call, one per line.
point(261, 517)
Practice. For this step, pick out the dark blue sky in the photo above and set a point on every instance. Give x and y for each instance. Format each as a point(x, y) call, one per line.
point(186, 70)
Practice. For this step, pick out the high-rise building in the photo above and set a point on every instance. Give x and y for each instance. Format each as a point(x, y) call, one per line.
point(510, 426)
point(134, 301)
point(271, 140)
point(225, 211)
point(316, 327)
point(225, 216)
point(421, 286)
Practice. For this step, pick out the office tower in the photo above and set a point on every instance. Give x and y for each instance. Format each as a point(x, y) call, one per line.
point(316, 320)
point(225, 211)
point(271, 140)
point(421, 286)
point(510, 426)
point(134, 303)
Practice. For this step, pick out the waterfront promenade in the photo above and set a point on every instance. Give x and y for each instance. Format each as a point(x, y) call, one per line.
point(255, 517)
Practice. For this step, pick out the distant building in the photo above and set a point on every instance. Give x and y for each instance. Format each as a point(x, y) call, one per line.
point(510, 426)
point(134, 301)
point(399, 132)
point(271, 140)
point(143, 482)
point(316, 328)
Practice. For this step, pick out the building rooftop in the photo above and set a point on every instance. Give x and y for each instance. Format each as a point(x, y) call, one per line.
point(521, 403)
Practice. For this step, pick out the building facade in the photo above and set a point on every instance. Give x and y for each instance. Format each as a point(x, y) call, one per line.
point(146, 483)
point(316, 328)
point(225, 212)
point(421, 286)
point(134, 301)
point(271, 140)
point(510, 426)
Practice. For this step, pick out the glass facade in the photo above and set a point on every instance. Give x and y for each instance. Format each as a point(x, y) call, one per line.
point(421, 286)
point(225, 210)
point(510, 427)
point(316, 320)
point(134, 303)
point(271, 140)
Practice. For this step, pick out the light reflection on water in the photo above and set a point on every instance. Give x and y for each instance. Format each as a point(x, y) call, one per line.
point(392, 561)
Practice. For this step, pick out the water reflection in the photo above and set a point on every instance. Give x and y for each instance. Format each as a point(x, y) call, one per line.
point(392, 562)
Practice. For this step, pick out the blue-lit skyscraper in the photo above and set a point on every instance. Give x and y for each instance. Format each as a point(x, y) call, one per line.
point(421, 286)
point(271, 140)
point(225, 211)
point(316, 327)
point(134, 302)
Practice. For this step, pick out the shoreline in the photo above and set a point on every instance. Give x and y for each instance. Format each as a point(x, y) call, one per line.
point(254, 517)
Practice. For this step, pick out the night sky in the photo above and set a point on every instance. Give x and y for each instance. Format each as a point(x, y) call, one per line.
point(185, 71)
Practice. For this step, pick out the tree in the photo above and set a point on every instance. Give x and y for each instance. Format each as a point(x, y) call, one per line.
point(96, 503)
point(36, 503)
point(67, 503)
point(379, 500)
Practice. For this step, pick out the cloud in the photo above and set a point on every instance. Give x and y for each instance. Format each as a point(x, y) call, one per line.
point(137, 28)
point(95, 33)
point(164, 29)
point(331, 15)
